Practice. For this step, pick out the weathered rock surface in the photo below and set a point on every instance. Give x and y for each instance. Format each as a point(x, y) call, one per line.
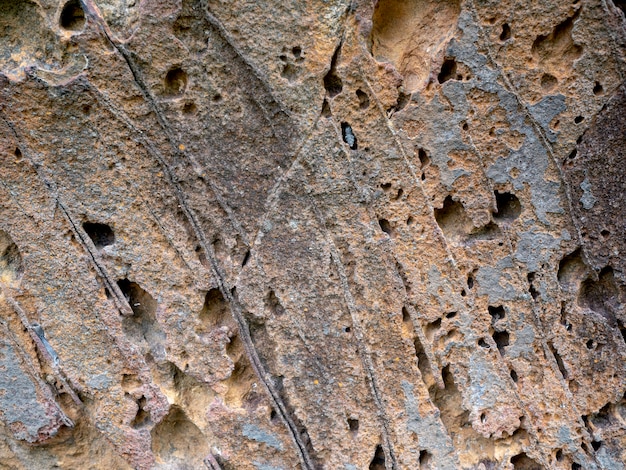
point(326, 234)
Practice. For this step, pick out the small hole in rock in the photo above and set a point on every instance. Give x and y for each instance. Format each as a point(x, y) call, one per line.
point(348, 135)
point(463, 293)
point(501, 338)
point(140, 301)
point(190, 108)
point(596, 445)
point(403, 100)
point(448, 71)
point(386, 186)
point(326, 109)
point(289, 72)
point(597, 89)
point(273, 416)
point(579, 119)
point(559, 455)
point(470, 281)
point(572, 154)
point(142, 418)
point(483, 417)
point(506, 32)
point(508, 207)
point(452, 218)
point(332, 81)
point(576, 466)
point(378, 462)
point(523, 462)
point(590, 344)
point(424, 158)
point(347, 329)
point(483, 344)
point(72, 16)
point(433, 325)
point(353, 424)
point(514, 376)
point(406, 318)
point(18, 153)
point(410, 220)
point(217, 98)
point(497, 313)
point(297, 52)
point(101, 234)
point(548, 82)
point(364, 100)
point(605, 233)
point(385, 226)
point(450, 314)
point(246, 258)
point(425, 459)
point(531, 285)
point(175, 81)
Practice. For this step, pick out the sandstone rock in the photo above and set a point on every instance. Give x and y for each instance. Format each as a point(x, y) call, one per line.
point(324, 234)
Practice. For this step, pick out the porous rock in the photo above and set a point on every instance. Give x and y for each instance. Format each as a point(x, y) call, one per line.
point(339, 234)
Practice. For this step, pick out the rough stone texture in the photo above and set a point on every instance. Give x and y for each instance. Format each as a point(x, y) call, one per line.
point(323, 234)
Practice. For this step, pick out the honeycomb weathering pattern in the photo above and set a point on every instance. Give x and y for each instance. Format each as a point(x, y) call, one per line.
point(325, 234)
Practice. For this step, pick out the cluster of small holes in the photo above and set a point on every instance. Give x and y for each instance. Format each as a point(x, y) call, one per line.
point(291, 64)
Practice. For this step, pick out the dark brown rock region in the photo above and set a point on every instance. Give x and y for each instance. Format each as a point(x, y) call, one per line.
point(322, 234)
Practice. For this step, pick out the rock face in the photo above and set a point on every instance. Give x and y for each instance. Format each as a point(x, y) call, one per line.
point(327, 234)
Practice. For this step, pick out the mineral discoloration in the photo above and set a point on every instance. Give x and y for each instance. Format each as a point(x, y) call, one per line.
point(325, 234)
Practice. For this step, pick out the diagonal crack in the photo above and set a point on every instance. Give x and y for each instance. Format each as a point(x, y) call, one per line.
point(216, 270)
point(508, 86)
point(82, 238)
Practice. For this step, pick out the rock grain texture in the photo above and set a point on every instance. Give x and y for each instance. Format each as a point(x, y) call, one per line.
point(326, 234)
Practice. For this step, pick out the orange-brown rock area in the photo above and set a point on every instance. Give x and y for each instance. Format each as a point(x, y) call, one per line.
point(322, 234)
